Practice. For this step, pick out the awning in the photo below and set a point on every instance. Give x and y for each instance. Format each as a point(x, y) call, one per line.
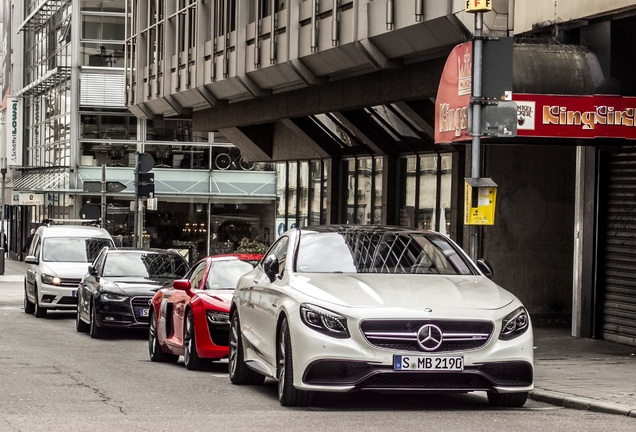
point(42, 181)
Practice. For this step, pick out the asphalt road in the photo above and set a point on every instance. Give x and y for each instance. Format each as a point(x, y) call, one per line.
point(53, 378)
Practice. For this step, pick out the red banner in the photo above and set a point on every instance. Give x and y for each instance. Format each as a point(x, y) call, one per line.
point(575, 116)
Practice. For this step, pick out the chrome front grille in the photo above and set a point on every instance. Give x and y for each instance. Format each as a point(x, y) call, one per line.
point(401, 335)
point(138, 304)
point(70, 282)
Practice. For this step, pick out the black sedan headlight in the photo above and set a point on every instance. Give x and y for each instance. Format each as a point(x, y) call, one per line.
point(51, 280)
point(106, 297)
point(515, 324)
point(324, 321)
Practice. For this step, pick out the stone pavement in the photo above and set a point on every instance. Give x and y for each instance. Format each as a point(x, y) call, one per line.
point(577, 373)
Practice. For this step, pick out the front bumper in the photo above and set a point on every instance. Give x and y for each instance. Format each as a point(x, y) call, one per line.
point(132, 313)
point(56, 297)
point(322, 363)
point(494, 376)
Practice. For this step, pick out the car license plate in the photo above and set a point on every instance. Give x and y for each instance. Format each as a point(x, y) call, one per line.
point(143, 312)
point(428, 363)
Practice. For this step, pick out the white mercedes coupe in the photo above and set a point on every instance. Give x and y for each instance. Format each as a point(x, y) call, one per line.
point(341, 308)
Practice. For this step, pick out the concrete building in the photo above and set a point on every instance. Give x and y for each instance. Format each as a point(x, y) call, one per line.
point(68, 84)
point(341, 96)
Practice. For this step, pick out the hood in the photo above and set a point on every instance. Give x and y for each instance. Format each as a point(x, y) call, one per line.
point(403, 290)
point(65, 270)
point(224, 296)
point(135, 285)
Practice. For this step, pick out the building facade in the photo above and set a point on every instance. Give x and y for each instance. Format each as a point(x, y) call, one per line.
point(78, 133)
point(341, 95)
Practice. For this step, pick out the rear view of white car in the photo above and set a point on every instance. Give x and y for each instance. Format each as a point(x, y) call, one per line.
point(56, 262)
point(373, 308)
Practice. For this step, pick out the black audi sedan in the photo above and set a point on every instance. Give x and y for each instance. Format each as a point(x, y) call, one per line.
point(120, 283)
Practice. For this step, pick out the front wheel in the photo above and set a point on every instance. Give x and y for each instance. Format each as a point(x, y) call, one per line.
point(239, 372)
point(223, 161)
point(288, 395)
point(38, 311)
point(94, 330)
point(29, 307)
point(507, 400)
point(191, 358)
point(154, 350)
point(80, 325)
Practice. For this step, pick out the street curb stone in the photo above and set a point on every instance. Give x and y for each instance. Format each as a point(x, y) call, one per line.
point(581, 403)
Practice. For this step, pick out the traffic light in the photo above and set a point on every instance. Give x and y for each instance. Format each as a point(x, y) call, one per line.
point(146, 186)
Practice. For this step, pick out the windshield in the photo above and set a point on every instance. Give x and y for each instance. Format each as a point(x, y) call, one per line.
point(378, 252)
point(225, 274)
point(73, 249)
point(145, 265)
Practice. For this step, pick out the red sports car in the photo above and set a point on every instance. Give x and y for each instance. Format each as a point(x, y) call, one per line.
point(191, 318)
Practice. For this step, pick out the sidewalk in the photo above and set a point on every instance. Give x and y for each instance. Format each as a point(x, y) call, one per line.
point(584, 374)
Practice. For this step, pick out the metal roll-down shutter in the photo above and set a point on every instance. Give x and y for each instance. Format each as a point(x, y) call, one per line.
point(617, 245)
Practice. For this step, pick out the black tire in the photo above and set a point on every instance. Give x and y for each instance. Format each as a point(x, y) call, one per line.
point(223, 161)
point(80, 325)
point(38, 311)
point(246, 166)
point(288, 395)
point(191, 358)
point(29, 307)
point(154, 350)
point(507, 400)
point(94, 330)
point(240, 373)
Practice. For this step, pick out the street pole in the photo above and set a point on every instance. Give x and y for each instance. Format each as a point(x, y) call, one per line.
point(103, 203)
point(475, 104)
point(3, 170)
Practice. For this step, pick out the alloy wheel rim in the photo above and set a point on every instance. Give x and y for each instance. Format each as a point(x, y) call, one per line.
point(281, 362)
point(233, 345)
point(152, 331)
point(188, 340)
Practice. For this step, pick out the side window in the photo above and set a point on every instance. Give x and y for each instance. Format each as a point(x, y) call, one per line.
point(197, 275)
point(279, 249)
point(35, 246)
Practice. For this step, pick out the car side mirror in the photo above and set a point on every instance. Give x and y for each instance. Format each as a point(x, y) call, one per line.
point(92, 271)
point(182, 285)
point(485, 268)
point(30, 259)
point(271, 267)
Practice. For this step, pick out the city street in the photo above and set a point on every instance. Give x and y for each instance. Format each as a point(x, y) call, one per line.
point(56, 379)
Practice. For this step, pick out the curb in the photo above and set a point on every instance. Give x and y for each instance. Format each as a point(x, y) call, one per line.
point(581, 403)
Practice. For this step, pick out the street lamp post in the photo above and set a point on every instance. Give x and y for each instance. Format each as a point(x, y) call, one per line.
point(3, 171)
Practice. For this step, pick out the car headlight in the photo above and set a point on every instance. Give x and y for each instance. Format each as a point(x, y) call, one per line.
point(112, 297)
point(515, 324)
point(218, 318)
point(324, 321)
point(51, 280)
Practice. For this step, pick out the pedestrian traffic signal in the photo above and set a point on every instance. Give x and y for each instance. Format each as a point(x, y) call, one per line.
point(146, 186)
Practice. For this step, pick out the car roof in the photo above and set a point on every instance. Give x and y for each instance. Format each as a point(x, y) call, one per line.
point(131, 250)
point(376, 229)
point(72, 231)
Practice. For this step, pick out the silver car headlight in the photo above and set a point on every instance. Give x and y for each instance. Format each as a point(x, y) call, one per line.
point(324, 321)
point(515, 324)
point(112, 297)
point(51, 280)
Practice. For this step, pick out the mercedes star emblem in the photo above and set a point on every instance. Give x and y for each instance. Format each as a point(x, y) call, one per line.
point(430, 337)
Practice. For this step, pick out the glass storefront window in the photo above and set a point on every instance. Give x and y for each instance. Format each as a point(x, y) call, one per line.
point(425, 199)
point(102, 42)
point(303, 193)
